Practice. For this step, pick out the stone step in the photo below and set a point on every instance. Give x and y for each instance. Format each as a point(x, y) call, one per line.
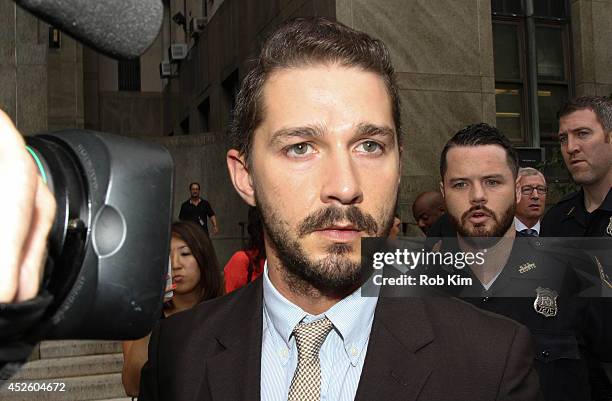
point(71, 367)
point(68, 348)
point(99, 387)
point(118, 399)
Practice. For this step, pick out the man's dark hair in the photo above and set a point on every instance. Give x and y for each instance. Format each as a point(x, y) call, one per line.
point(600, 105)
point(194, 183)
point(480, 135)
point(307, 42)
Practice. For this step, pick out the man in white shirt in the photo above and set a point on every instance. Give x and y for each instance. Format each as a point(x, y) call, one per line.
point(530, 207)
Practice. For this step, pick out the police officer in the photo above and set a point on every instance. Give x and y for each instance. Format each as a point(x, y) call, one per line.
point(585, 131)
point(520, 277)
point(585, 136)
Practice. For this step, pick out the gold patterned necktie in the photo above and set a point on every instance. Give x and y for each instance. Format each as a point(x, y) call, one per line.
point(306, 382)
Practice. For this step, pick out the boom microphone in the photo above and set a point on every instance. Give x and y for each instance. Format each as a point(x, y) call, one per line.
point(118, 28)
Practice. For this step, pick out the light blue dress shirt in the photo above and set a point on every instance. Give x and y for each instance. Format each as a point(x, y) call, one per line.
point(342, 354)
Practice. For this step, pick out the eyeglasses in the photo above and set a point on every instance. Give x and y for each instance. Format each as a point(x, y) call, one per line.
point(528, 190)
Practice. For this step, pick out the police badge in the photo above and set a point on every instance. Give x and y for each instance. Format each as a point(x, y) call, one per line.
point(546, 302)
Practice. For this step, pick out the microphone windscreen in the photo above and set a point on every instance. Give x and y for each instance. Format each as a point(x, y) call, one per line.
point(118, 28)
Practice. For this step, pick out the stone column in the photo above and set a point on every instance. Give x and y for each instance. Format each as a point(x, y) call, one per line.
point(592, 45)
point(23, 69)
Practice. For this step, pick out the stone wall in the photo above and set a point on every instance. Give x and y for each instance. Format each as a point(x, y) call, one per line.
point(23, 69)
point(592, 46)
point(65, 83)
point(130, 113)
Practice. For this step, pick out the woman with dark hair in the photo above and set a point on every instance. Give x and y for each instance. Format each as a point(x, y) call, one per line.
point(195, 270)
point(195, 278)
point(247, 264)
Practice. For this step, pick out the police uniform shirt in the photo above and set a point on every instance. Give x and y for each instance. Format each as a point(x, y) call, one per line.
point(569, 218)
point(539, 288)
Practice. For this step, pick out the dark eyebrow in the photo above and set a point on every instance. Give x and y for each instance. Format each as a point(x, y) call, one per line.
point(497, 176)
point(366, 129)
point(308, 131)
point(458, 179)
point(575, 130)
point(487, 177)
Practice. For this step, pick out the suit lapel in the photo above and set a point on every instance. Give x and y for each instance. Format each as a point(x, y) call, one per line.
point(397, 366)
point(234, 373)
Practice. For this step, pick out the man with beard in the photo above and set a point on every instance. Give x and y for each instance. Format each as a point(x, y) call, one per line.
point(317, 149)
point(521, 277)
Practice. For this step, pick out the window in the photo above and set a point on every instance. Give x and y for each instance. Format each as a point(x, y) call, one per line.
point(547, 41)
point(129, 75)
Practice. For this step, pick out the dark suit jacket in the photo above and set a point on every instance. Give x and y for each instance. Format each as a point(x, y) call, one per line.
point(425, 349)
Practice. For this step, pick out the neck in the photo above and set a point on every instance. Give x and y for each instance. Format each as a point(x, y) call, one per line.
point(595, 194)
point(195, 200)
point(528, 221)
point(298, 292)
point(495, 257)
point(183, 302)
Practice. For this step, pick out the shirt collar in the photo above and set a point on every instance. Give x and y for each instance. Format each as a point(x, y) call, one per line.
point(520, 226)
point(352, 317)
point(607, 203)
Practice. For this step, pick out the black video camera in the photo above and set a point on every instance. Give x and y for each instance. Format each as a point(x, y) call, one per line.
point(109, 244)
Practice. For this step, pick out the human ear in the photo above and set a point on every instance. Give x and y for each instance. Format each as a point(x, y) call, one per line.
point(240, 176)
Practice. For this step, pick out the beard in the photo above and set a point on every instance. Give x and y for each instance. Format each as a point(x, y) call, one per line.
point(336, 273)
point(479, 236)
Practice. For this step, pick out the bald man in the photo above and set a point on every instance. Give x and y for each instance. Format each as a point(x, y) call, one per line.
point(426, 209)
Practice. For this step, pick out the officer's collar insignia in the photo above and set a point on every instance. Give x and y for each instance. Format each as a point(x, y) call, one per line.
point(570, 211)
point(546, 302)
point(609, 228)
point(525, 267)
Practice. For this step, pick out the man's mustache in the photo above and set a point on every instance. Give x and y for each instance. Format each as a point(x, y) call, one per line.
point(335, 215)
point(480, 208)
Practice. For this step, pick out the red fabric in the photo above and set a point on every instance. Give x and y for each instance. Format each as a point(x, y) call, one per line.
point(237, 269)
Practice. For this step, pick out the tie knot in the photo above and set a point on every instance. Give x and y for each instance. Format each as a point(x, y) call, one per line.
point(530, 232)
point(309, 337)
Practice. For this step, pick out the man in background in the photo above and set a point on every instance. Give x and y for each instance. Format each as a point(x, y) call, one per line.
point(585, 137)
point(528, 281)
point(530, 208)
point(427, 208)
point(198, 210)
